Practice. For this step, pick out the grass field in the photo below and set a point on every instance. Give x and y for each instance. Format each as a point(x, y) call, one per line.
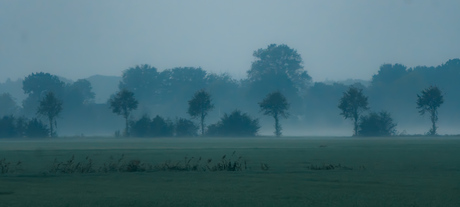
point(399, 171)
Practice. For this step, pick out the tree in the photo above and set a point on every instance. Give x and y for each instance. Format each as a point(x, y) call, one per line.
point(352, 104)
point(199, 106)
point(7, 105)
point(279, 59)
point(50, 107)
point(36, 85)
point(429, 101)
point(142, 80)
point(35, 128)
point(185, 128)
point(161, 127)
point(178, 83)
point(278, 68)
point(389, 73)
point(275, 105)
point(141, 127)
point(79, 93)
point(377, 124)
point(122, 104)
point(8, 127)
point(236, 124)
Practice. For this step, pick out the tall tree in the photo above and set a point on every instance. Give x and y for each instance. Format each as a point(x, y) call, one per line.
point(142, 80)
point(275, 105)
point(122, 104)
point(36, 85)
point(429, 101)
point(389, 73)
point(199, 106)
point(352, 104)
point(50, 107)
point(278, 67)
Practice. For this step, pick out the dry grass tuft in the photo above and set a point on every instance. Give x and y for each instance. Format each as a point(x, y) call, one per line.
point(8, 167)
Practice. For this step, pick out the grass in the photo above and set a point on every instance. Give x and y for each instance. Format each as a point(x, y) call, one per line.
point(289, 171)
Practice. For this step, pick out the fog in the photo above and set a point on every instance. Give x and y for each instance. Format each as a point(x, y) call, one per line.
point(85, 52)
point(338, 40)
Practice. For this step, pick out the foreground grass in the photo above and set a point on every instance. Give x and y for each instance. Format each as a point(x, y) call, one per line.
point(415, 171)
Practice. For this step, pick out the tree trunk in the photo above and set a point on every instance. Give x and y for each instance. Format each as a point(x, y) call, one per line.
point(277, 126)
point(126, 127)
point(433, 121)
point(355, 130)
point(51, 126)
point(202, 124)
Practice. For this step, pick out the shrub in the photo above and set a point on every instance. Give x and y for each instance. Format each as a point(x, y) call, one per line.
point(158, 127)
point(8, 127)
point(185, 128)
point(161, 127)
point(235, 124)
point(36, 128)
point(141, 127)
point(377, 124)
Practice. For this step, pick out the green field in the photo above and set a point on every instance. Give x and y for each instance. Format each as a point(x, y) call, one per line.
point(399, 171)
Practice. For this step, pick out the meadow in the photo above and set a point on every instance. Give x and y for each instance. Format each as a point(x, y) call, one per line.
point(286, 171)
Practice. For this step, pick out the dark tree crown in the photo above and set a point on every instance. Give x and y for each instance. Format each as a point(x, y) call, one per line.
point(353, 102)
point(275, 104)
point(430, 100)
point(123, 103)
point(200, 104)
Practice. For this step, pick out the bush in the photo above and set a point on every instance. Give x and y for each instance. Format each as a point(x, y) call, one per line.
point(141, 127)
point(36, 128)
point(158, 127)
point(19, 127)
point(161, 127)
point(185, 128)
point(235, 124)
point(8, 127)
point(377, 124)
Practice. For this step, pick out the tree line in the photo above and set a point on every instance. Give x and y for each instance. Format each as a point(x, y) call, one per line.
point(277, 85)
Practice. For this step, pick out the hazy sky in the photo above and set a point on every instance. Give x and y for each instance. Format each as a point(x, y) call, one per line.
point(336, 39)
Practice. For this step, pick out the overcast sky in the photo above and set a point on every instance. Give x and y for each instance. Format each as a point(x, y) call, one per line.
point(336, 39)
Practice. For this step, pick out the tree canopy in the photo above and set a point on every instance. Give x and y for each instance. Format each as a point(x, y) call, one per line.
point(8, 105)
point(278, 68)
point(429, 101)
point(235, 124)
point(352, 104)
point(199, 106)
point(50, 107)
point(142, 80)
point(275, 105)
point(377, 124)
point(122, 104)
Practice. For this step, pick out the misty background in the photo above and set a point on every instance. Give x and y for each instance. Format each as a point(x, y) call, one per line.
point(341, 44)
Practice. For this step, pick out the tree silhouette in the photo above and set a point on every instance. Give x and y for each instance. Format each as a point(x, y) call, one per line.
point(7, 105)
point(277, 68)
point(185, 128)
point(122, 104)
point(36, 85)
point(429, 101)
point(352, 104)
point(50, 107)
point(199, 106)
point(142, 80)
point(275, 105)
point(236, 124)
point(377, 124)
